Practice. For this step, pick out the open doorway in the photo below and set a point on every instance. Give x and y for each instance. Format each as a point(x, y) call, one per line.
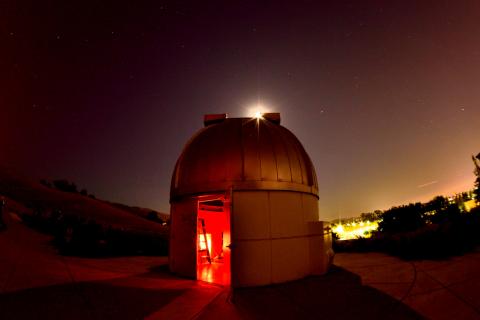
point(213, 239)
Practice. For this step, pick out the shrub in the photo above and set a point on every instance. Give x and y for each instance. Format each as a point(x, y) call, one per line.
point(65, 186)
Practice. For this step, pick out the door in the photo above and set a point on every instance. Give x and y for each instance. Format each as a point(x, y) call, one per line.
point(213, 239)
point(182, 257)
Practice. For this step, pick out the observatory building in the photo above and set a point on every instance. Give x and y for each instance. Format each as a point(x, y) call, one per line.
point(244, 205)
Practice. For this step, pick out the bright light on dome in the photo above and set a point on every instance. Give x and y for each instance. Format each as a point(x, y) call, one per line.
point(256, 111)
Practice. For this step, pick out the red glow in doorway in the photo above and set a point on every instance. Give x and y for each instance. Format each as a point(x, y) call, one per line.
point(213, 240)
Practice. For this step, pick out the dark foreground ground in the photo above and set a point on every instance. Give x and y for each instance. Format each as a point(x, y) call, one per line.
point(37, 283)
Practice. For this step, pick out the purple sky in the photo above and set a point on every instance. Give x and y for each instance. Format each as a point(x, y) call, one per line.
point(384, 95)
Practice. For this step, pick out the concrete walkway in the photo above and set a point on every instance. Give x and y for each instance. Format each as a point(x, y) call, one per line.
point(447, 289)
point(338, 295)
point(37, 283)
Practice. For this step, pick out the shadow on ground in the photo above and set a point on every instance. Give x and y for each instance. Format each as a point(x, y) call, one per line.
point(86, 300)
point(338, 295)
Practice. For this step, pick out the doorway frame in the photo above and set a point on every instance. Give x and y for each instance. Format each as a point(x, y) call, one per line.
point(226, 197)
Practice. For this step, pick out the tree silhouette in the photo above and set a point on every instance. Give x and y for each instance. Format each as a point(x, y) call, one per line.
point(476, 191)
point(402, 219)
point(65, 186)
point(436, 204)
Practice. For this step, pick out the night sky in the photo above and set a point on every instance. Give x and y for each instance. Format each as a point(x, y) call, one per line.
point(384, 95)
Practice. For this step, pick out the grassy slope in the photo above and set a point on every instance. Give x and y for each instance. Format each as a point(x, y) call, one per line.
point(141, 212)
point(32, 194)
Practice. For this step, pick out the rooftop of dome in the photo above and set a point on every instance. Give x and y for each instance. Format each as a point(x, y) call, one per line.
point(243, 154)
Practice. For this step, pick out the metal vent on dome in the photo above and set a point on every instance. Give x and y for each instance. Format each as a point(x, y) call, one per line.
point(209, 119)
point(273, 117)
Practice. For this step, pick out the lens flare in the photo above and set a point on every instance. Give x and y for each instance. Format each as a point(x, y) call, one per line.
point(257, 111)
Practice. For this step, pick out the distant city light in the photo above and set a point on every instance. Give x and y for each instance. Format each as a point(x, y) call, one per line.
point(339, 229)
point(355, 230)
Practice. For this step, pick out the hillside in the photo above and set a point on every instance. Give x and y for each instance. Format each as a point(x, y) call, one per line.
point(35, 196)
point(141, 212)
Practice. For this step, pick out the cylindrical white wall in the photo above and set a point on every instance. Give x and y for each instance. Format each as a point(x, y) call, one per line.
point(276, 237)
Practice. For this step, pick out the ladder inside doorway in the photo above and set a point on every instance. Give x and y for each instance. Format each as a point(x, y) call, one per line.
point(204, 233)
